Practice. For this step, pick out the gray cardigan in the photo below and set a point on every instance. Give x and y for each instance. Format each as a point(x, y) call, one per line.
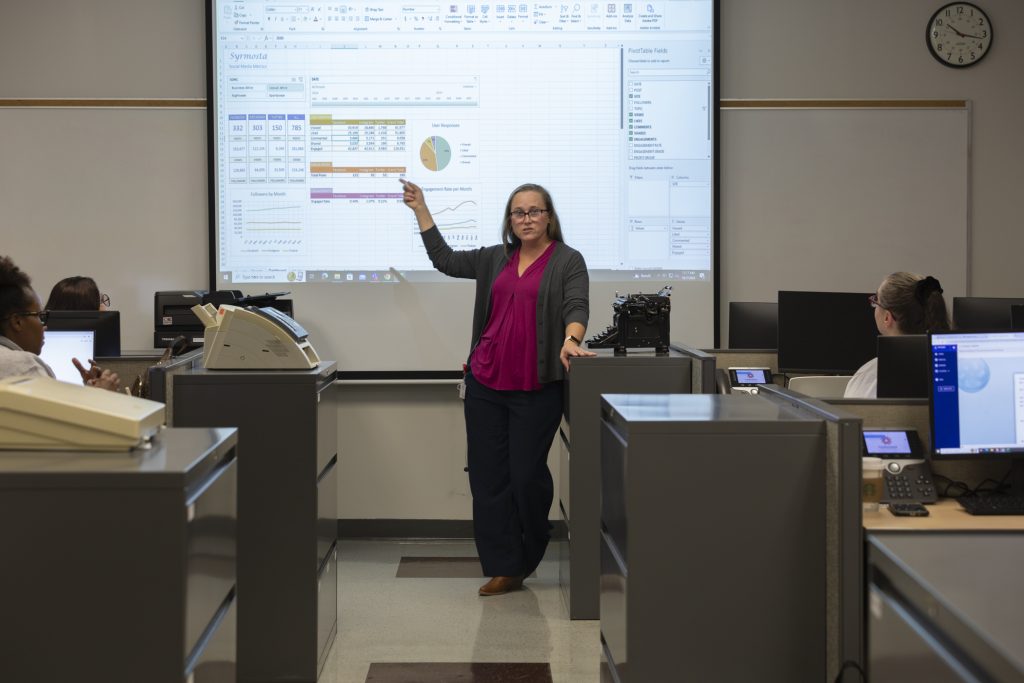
point(15, 361)
point(564, 295)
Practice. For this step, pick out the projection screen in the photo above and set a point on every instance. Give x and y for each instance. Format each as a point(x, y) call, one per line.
point(317, 110)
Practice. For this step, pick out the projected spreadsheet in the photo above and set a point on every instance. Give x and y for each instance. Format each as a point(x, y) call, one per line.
point(315, 130)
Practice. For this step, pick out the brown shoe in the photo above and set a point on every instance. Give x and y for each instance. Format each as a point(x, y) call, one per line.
point(499, 585)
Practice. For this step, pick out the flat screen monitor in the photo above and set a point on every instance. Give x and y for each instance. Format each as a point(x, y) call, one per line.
point(977, 398)
point(753, 325)
point(903, 366)
point(825, 332)
point(1017, 317)
point(60, 346)
point(983, 313)
point(106, 324)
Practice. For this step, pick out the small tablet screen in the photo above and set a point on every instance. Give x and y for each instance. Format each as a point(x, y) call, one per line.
point(743, 376)
point(889, 442)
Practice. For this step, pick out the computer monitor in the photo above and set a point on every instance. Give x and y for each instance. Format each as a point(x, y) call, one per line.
point(825, 332)
point(753, 325)
point(106, 324)
point(983, 313)
point(903, 369)
point(977, 398)
point(1017, 317)
point(60, 346)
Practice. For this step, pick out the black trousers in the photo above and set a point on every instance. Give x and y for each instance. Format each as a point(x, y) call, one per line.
point(509, 434)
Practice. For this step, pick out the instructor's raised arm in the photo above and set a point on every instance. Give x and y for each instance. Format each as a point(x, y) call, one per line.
point(413, 198)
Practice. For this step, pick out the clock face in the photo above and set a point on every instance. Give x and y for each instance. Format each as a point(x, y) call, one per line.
point(959, 34)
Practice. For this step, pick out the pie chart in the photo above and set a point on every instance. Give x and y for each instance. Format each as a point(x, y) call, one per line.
point(435, 153)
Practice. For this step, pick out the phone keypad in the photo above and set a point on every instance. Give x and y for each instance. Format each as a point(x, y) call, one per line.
point(902, 487)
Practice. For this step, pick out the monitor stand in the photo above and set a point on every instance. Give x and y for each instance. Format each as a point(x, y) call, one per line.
point(1015, 479)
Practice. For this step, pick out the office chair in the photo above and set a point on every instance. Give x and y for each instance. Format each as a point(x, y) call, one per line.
point(820, 386)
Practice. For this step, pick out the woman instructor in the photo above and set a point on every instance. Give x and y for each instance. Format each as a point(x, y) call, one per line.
point(529, 316)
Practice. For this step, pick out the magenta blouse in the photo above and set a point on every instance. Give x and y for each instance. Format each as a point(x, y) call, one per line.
point(506, 356)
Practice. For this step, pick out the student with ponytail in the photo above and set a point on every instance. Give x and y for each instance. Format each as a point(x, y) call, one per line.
point(905, 303)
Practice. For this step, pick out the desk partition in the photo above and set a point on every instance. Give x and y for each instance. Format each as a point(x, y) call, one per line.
point(729, 524)
point(843, 525)
point(945, 607)
point(746, 358)
point(913, 413)
point(579, 454)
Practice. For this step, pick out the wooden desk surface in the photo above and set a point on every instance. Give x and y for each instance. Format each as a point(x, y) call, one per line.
point(946, 515)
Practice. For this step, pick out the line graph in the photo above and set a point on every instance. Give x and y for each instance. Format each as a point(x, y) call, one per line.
point(459, 220)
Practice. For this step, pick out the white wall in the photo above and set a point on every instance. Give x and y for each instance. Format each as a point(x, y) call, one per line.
point(875, 49)
point(402, 447)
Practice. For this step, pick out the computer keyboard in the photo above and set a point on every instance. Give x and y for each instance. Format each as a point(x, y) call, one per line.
point(993, 504)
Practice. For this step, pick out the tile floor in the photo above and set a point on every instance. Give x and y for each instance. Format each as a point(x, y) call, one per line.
point(384, 619)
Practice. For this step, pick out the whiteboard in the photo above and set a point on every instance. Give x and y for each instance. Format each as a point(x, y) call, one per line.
point(836, 198)
point(118, 194)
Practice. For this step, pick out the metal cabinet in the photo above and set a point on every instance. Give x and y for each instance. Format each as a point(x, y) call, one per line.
point(120, 567)
point(639, 372)
point(713, 538)
point(287, 504)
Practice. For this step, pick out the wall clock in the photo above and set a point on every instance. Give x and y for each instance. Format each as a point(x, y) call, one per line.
point(959, 34)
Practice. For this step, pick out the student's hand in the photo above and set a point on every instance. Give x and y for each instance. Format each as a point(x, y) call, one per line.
point(95, 376)
point(571, 348)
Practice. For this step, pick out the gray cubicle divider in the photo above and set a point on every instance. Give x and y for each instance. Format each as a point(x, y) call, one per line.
point(746, 358)
point(702, 368)
point(161, 386)
point(730, 524)
point(579, 485)
point(913, 413)
point(843, 524)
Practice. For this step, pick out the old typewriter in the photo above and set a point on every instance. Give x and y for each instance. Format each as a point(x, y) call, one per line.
point(640, 322)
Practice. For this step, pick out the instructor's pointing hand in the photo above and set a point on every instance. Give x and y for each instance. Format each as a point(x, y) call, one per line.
point(413, 195)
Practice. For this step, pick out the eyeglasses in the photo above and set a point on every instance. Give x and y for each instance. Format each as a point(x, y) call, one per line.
point(42, 315)
point(105, 300)
point(520, 215)
point(873, 300)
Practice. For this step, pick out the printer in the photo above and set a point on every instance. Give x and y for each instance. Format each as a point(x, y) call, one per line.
point(252, 338)
point(173, 317)
point(236, 298)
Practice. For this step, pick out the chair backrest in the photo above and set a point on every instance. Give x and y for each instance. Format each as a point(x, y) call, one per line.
point(820, 386)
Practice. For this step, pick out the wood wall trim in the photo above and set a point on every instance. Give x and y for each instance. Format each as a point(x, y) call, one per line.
point(103, 103)
point(843, 104)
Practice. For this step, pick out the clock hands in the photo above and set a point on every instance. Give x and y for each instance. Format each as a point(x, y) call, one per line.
point(962, 35)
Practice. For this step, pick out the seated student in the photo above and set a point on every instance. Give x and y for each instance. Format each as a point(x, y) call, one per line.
point(22, 327)
point(78, 293)
point(905, 303)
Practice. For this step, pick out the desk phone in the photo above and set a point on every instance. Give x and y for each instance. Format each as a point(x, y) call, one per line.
point(908, 476)
point(748, 379)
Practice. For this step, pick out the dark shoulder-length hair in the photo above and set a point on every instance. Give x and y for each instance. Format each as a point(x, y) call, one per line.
point(508, 235)
point(78, 293)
